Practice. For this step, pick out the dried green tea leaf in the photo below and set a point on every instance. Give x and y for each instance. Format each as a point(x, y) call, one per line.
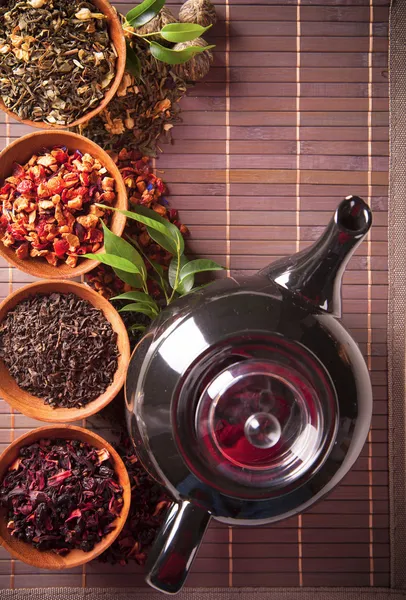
point(58, 61)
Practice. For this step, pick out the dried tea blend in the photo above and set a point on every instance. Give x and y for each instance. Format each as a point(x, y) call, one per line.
point(56, 59)
point(149, 503)
point(61, 495)
point(47, 206)
point(143, 187)
point(141, 111)
point(60, 348)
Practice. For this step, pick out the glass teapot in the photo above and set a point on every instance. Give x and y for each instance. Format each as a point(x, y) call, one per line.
point(248, 399)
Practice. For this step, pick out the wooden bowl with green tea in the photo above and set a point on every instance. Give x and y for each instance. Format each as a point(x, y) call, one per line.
point(87, 53)
point(58, 353)
point(21, 152)
point(47, 558)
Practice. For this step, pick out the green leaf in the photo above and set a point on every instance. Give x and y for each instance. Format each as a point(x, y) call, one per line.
point(162, 240)
point(138, 297)
point(120, 247)
point(140, 308)
point(114, 261)
point(176, 57)
point(132, 279)
point(132, 62)
point(136, 327)
point(199, 287)
point(182, 32)
point(198, 266)
point(170, 237)
point(144, 12)
point(170, 228)
point(184, 286)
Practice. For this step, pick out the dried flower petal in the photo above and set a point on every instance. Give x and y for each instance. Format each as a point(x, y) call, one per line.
point(48, 505)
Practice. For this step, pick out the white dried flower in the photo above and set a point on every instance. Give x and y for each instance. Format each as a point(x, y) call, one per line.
point(84, 14)
point(37, 3)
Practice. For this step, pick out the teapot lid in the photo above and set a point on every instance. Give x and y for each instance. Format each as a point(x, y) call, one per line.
point(261, 423)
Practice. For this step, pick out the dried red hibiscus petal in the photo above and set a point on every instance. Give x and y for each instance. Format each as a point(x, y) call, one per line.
point(149, 503)
point(45, 500)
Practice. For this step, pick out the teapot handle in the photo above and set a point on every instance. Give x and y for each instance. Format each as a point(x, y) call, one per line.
point(175, 547)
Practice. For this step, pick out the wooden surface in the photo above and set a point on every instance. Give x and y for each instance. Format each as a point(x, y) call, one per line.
point(292, 118)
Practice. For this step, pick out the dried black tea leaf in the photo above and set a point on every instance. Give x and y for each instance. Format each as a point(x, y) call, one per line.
point(143, 110)
point(60, 348)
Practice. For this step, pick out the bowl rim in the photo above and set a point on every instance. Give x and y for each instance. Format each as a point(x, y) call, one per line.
point(119, 44)
point(100, 547)
point(85, 265)
point(68, 415)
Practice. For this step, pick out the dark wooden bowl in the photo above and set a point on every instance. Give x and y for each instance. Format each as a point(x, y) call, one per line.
point(21, 151)
point(118, 40)
point(34, 407)
point(46, 559)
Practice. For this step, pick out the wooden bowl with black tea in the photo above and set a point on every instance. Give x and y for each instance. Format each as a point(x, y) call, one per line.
point(118, 41)
point(20, 151)
point(47, 559)
point(34, 406)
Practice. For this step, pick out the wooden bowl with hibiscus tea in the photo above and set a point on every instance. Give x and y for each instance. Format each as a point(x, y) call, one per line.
point(50, 185)
point(64, 351)
point(64, 497)
point(64, 60)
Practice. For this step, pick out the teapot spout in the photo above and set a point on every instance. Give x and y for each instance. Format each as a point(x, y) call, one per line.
point(315, 273)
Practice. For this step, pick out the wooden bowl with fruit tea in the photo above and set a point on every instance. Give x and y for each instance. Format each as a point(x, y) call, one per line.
point(50, 185)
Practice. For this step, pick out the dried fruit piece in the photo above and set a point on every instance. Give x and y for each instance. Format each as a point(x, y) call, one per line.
point(51, 199)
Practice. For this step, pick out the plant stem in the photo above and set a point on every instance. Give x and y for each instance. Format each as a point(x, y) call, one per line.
point(143, 37)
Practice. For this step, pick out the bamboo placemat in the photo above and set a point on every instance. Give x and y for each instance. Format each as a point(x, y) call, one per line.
point(292, 117)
